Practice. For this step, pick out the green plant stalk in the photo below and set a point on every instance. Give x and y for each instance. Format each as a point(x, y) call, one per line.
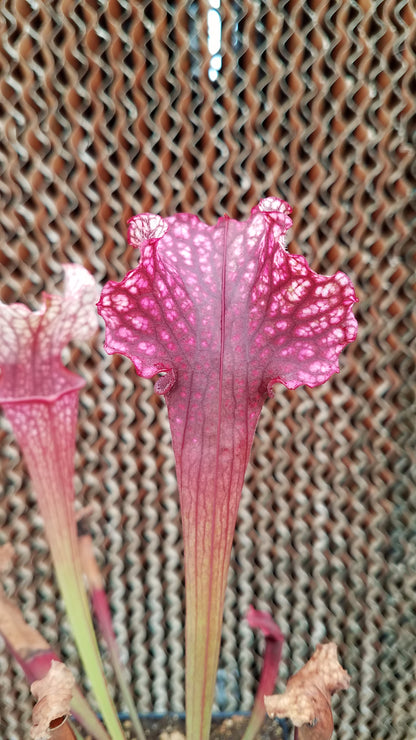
point(102, 613)
point(75, 731)
point(206, 570)
point(125, 691)
point(103, 616)
point(69, 576)
point(87, 718)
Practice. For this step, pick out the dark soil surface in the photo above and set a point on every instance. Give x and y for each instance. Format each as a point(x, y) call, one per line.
point(230, 728)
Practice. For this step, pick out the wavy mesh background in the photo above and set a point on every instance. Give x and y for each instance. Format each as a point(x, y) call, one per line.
point(108, 109)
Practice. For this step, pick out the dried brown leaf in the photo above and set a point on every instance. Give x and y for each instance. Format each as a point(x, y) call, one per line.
point(53, 694)
point(307, 699)
point(21, 637)
point(7, 556)
point(89, 564)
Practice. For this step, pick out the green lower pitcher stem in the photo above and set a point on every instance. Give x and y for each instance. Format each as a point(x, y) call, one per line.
point(206, 568)
point(125, 692)
point(69, 575)
point(203, 639)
